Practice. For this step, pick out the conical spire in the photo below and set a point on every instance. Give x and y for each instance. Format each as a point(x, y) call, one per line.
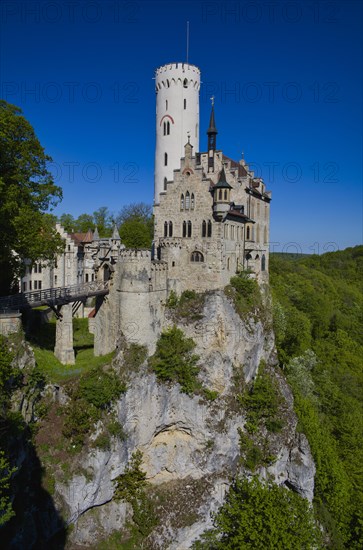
point(222, 181)
point(96, 236)
point(212, 130)
point(115, 234)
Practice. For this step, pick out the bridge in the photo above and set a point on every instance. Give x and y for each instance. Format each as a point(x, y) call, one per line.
point(60, 300)
point(54, 296)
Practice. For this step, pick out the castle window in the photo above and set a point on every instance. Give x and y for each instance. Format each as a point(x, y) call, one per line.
point(165, 183)
point(204, 228)
point(55, 280)
point(165, 229)
point(35, 268)
point(209, 228)
point(164, 128)
point(232, 231)
point(35, 285)
point(187, 200)
point(248, 233)
point(30, 285)
point(170, 229)
point(248, 257)
point(24, 286)
point(258, 234)
point(257, 257)
point(184, 229)
point(192, 202)
point(165, 159)
point(168, 128)
point(185, 83)
point(197, 256)
point(172, 264)
point(263, 263)
point(226, 231)
point(225, 194)
point(265, 234)
point(189, 228)
point(182, 202)
point(86, 277)
point(93, 277)
point(220, 195)
point(237, 233)
point(185, 103)
point(228, 264)
point(258, 209)
point(166, 105)
point(167, 83)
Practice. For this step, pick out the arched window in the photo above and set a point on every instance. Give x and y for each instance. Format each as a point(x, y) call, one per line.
point(226, 231)
point(166, 105)
point(165, 159)
point(197, 256)
point(204, 228)
point(263, 263)
point(258, 209)
point(185, 83)
point(220, 195)
point(170, 229)
point(232, 231)
point(209, 234)
point(192, 202)
point(165, 183)
point(248, 257)
point(252, 210)
point(257, 257)
point(187, 200)
point(225, 194)
point(86, 277)
point(168, 128)
point(258, 234)
point(164, 128)
point(237, 233)
point(165, 229)
point(182, 202)
point(189, 228)
point(184, 229)
point(185, 103)
point(248, 233)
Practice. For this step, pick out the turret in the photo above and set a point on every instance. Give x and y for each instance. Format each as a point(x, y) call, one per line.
point(221, 196)
point(177, 113)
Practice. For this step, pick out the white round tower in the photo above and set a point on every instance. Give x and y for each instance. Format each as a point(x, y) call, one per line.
point(177, 117)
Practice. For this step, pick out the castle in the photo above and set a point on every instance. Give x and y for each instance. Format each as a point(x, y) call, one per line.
point(211, 220)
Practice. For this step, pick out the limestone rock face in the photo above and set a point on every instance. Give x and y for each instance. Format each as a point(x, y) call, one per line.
point(188, 443)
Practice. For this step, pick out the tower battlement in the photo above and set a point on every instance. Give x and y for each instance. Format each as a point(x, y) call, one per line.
point(131, 254)
point(175, 74)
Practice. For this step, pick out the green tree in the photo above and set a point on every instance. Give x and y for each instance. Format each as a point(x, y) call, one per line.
point(136, 225)
point(68, 222)
point(261, 516)
point(27, 191)
point(83, 223)
point(103, 219)
point(6, 510)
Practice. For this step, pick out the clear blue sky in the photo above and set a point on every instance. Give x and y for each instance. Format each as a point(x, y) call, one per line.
point(287, 77)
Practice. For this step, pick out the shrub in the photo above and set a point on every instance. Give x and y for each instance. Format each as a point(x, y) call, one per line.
point(100, 388)
point(134, 356)
point(245, 294)
point(262, 516)
point(173, 360)
point(132, 482)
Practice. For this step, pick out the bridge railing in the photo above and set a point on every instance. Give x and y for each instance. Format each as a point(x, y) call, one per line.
point(54, 295)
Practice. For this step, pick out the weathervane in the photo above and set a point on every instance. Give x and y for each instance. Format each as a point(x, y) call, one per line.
point(212, 100)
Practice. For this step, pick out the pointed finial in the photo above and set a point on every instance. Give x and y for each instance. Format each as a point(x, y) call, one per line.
point(243, 155)
point(188, 134)
point(212, 100)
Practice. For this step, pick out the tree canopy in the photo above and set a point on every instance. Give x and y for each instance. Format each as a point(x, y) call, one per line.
point(27, 191)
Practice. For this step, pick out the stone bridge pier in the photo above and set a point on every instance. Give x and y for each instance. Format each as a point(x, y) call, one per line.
point(63, 349)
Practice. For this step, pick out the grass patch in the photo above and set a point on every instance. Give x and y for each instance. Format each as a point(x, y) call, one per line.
point(43, 342)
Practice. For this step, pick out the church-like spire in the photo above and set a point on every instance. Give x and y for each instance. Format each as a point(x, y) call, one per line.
point(212, 130)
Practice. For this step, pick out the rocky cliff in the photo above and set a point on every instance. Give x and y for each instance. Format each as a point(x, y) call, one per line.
point(190, 444)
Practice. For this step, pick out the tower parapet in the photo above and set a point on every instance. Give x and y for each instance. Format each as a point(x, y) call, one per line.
point(177, 88)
